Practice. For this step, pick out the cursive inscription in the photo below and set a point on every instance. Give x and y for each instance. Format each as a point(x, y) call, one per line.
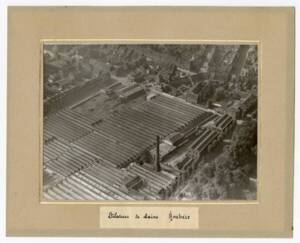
point(149, 217)
point(115, 215)
point(178, 216)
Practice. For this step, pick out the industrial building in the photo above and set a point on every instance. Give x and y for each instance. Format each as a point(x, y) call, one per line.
point(90, 160)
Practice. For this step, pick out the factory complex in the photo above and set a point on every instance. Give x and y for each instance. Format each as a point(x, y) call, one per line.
point(143, 147)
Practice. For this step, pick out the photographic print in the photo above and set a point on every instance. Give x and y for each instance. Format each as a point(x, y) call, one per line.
point(149, 121)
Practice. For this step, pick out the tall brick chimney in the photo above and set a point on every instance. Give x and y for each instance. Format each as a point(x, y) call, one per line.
point(157, 162)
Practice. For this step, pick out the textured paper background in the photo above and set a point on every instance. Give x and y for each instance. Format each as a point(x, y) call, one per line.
point(273, 28)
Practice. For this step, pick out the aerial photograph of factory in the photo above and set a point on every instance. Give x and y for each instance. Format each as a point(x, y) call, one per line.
point(149, 121)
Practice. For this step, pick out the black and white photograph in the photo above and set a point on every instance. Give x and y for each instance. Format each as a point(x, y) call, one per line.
point(155, 121)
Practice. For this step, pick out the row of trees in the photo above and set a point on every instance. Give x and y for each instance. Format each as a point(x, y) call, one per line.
point(229, 175)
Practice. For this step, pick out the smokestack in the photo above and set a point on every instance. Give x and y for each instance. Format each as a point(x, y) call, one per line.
point(157, 163)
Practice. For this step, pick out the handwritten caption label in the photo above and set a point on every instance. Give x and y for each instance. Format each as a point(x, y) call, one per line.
point(149, 217)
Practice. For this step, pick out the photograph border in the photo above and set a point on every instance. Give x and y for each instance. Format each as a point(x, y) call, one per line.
point(151, 42)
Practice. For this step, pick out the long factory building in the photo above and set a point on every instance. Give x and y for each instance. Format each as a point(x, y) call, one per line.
point(96, 160)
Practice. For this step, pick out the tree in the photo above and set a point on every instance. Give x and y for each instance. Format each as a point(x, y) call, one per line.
point(222, 192)
point(209, 103)
point(213, 193)
point(249, 169)
point(240, 178)
point(166, 88)
point(223, 177)
point(243, 141)
point(219, 94)
point(207, 92)
point(193, 66)
point(225, 161)
point(210, 192)
point(209, 170)
point(104, 75)
point(197, 191)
